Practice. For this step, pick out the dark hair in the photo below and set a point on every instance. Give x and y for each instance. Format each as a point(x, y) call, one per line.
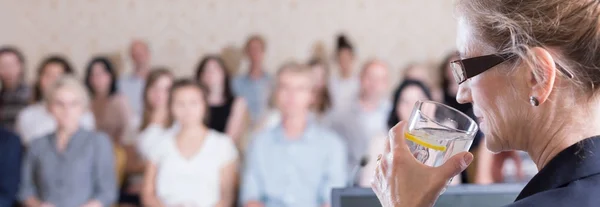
point(154, 75)
point(202, 67)
point(13, 50)
point(393, 118)
point(343, 43)
point(184, 83)
point(37, 92)
point(108, 68)
point(323, 97)
point(442, 69)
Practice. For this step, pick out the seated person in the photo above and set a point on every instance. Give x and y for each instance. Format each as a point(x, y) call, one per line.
point(196, 166)
point(72, 166)
point(296, 163)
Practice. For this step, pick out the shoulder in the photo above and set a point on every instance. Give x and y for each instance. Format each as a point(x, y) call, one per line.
point(583, 192)
point(218, 138)
point(31, 110)
point(39, 144)
point(262, 138)
point(99, 138)
point(331, 138)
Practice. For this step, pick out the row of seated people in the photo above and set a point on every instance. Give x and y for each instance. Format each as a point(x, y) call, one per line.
point(308, 143)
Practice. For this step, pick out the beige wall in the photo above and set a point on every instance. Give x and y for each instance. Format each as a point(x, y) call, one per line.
point(180, 31)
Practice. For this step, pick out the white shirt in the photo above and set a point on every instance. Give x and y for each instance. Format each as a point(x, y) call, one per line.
point(195, 181)
point(343, 92)
point(35, 121)
point(149, 139)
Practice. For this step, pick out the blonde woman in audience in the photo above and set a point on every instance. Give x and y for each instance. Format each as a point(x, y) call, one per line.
point(197, 166)
point(35, 121)
point(228, 113)
point(72, 166)
point(405, 97)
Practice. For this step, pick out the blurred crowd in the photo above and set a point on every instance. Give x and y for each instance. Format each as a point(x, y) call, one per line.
point(215, 139)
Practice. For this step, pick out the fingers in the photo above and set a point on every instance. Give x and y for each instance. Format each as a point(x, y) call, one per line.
point(397, 140)
point(456, 164)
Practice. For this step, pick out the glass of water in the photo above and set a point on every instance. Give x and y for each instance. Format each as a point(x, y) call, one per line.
point(436, 132)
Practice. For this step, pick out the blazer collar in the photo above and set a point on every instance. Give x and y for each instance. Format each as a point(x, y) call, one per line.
point(576, 162)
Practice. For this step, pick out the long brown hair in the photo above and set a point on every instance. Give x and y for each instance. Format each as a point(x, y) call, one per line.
point(148, 110)
point(322, 96)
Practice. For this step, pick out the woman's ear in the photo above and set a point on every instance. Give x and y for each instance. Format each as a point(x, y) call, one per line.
point(541, 76)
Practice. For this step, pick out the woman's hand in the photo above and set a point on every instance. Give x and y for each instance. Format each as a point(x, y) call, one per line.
point(401, 180)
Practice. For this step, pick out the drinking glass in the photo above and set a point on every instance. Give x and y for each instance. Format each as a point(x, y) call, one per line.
point(436, 132)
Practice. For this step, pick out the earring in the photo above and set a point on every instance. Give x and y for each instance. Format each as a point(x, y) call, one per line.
point(533, 100)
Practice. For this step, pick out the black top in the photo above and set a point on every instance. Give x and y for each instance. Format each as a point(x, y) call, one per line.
point(572, 178)
point(219, 115)
point(10, 167)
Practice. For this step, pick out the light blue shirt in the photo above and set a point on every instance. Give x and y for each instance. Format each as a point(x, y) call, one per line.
point(132, 87)
point(294, 173)
point(255, 91)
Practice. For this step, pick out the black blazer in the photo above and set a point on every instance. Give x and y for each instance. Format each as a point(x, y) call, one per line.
point(572, 178)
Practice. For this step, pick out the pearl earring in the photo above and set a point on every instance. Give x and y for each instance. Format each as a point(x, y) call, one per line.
point(533, 100)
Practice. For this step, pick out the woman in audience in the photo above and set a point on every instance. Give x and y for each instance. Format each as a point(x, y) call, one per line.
point(196, 166)
point(321, 78)
point(421, 72)
point(110, 108)
point(405, 97)
point(71, 166)
point(14, 91)
point(155, 123)
point(35, 121)
point(344, 84)
point(227, 112)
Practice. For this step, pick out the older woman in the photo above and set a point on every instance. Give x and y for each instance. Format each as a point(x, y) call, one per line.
point(530, 69)
point(70, 167)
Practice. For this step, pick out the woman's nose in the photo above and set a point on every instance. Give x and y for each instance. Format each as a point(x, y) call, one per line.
point(464, 94)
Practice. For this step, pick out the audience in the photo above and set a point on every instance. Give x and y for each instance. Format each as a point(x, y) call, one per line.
point(343, 84)
point(298, 162)
point(366, 116)
point(405, 97)
point(35, 121)
point(10, 146)
point(421, 72)
point(72, 166)
point(227, 112)
point(132, 85)
point(254, 86)
point(197, 166)
point(14, 92)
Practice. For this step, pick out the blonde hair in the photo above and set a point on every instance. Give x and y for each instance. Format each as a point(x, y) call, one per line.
point(569, 30)
point(288, 67)
point(69, 81)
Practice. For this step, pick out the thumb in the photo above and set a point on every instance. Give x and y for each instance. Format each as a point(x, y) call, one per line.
point(456, 164)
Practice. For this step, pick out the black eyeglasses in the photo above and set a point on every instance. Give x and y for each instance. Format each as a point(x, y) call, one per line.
point(464, 69)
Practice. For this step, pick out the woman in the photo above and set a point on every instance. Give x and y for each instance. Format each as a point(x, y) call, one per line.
point(35, 121)
point(197, 165)
point(153, 127)
point(14, 91)
point(227, 112)
point(532, 81)
point(405, 97)
point(110, 108)
point(71, 166)
point(321, 78)
point(344, 84)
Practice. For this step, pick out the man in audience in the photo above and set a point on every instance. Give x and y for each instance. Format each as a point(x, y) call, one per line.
point(254, 86)
point(132, 86)
point(14, 94)
point(10, 167)
point(366, 116)
point(298, 162)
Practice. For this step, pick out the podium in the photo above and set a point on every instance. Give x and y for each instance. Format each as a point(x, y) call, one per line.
point(460, 195)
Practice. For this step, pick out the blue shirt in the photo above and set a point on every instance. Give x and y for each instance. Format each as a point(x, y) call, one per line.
point(571, 178)
point(132, 87)
point(255, 91)
point(84, 171)
point(294, 173)
point(10, 167)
